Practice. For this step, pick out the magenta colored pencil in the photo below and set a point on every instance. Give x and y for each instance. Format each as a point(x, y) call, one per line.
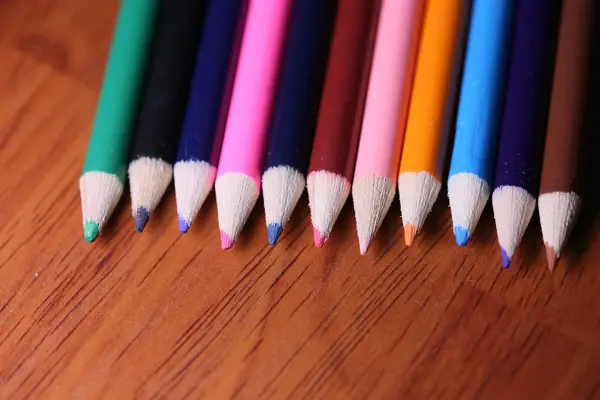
point(240, 166)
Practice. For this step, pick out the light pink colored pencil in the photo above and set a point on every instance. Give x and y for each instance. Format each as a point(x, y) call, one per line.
point(240, 166)
point(385, 115)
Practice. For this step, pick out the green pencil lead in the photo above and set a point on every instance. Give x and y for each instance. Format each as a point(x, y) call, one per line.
point(91, 231)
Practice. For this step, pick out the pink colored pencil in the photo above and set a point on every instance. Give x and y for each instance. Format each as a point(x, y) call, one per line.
point(385, 115)
point(240, 166)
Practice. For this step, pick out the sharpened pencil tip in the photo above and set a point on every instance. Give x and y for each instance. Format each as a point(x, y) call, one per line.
point(183, 225)
point(140, 219)
point(226, 242)
point(91, 231)
point(552, 258)
point(363, 244)
point(505, 258)
point(318, 238)
point(410, 232)
point(462, 236)
point(273, 233)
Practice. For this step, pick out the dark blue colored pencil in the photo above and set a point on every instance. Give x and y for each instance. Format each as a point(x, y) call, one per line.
point(523, 124)
point(200, 143)
point(295, 111)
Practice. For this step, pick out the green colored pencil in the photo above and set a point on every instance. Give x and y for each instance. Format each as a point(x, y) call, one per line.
point(104, 171)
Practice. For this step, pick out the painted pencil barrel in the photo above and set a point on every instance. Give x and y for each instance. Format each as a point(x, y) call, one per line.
point(564, 142)
point(123, 79)
point(344, 91)
point(527, 98)
point(482, 89)
point(254, 88)
point(432, 86)
point(389, 89)
point(167, 87)
point(200, 138)
point(300, 84)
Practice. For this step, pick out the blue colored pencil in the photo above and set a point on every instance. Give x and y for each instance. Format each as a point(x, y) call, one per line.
point(479, 113)
point(520, 150)
point(201, 138)
point(295, 112)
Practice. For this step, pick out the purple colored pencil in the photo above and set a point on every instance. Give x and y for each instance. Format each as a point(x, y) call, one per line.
point(523, 125)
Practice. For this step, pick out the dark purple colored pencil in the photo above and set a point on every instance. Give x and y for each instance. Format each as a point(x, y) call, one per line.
point(523, 124)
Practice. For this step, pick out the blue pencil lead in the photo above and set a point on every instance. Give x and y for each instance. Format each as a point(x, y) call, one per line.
point(183, 225)
point(462, 236)
point(273, 233)
point(505, 258)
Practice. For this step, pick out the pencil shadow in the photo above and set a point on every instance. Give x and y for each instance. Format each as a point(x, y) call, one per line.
point(531, 244)
point(162, 217)
point(344, 230)
point(114, 224)
point(298, 219)
point(438, 219)
point(584, 231)
point(255, 225)
point(391, 232)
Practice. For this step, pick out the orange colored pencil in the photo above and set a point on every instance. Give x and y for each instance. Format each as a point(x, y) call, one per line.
point(433, 96)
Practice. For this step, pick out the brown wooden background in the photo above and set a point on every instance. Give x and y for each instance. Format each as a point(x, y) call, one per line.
point(161, 315)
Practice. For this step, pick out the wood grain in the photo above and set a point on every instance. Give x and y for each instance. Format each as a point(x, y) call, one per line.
point(161, 315)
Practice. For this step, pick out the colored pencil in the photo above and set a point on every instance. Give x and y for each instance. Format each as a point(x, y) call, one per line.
point(427, 129)
point(340, 114)
point(560, 189)
point(295, 113)
point(163, 105)
point(523, 123)
point(101, 183)
point(479, 113)
point(204, 124)
point(385, 115)
point(238, 178)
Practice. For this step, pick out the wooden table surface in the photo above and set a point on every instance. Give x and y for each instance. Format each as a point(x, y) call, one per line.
point(160, 315)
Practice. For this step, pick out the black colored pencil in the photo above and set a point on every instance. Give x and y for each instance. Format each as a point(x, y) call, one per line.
point(163, 106)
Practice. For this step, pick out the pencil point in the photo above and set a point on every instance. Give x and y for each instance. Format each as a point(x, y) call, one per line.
point(505, 258)
point(363, 244)
point(462, 236)
point(183, 225)
point(319, 240)
point(409, 234)
point(273, 232)
point(91, 231)
point(226, 242)
point(140, 219)
point(552, 258)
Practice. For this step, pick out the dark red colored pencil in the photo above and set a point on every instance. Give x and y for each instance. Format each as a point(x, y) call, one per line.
point(340, 114)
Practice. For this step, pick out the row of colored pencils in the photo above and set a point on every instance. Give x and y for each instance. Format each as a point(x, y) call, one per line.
point(338, 97)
